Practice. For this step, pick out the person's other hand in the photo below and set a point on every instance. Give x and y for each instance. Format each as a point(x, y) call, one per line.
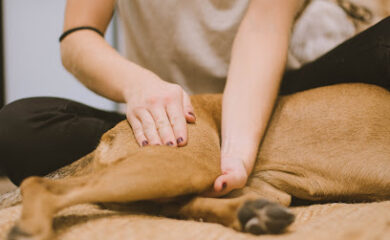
point(234, 175)
point(157, 112)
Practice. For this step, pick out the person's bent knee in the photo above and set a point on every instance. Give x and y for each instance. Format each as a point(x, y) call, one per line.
point(382, 32)
point(379, 52)
point(20, 114)
point(19, 122)
point(384, 44)
point(386, 22)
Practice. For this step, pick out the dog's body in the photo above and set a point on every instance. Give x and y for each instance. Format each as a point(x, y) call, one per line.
point(330, 143)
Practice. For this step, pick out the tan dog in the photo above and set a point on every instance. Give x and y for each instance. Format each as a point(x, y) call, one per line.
point(330, 143)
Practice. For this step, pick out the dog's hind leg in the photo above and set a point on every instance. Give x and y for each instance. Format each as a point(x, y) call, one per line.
point(120, 171)
point(40, 198)
point(149, 174)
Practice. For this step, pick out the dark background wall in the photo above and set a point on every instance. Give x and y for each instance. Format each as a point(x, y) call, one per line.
point(1, 57)
point(1, 62)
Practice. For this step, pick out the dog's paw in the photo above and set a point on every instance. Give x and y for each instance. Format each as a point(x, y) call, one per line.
point(262, 217)
point(18, 234)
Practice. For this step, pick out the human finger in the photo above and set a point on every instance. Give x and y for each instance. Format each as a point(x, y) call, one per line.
point(149, 127)
point(188, 109)
point(138, 131)
point(163, 126)
point(178, 123)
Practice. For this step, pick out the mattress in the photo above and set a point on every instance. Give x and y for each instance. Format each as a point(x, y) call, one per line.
point(320, 221)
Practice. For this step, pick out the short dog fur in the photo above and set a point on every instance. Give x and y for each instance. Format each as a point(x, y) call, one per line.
point(330, 144)
point(326, 144)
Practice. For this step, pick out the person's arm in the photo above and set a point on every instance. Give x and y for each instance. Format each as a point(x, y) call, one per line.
point(153, 106)
point(257, 64)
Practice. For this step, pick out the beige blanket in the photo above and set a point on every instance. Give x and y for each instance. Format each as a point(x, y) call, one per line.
point(329, 222)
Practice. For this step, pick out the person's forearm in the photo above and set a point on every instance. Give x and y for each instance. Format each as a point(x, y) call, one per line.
point(257, 64)
point(98, 66)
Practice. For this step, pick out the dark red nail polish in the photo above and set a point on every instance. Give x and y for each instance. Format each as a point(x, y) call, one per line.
point(224, 185)
point(170, 143)
point(192, 114)
point(180, 140)
point(144, 143)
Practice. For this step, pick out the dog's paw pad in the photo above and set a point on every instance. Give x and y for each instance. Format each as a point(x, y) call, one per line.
point(261, 216)
point(18, 234)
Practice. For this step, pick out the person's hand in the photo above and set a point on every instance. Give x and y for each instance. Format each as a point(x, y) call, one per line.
point(157, 112)
point(234, 175)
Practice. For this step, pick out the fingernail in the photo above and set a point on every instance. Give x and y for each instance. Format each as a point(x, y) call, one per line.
point(224, 185)
point(192, 114)
point(180, 140)
point(170, 143)
point(144, 143)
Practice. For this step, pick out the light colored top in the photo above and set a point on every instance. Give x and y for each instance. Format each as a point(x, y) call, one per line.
point(183, 41)
point(189, 41)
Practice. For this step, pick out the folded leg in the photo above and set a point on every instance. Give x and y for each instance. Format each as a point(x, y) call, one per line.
point(123, 172)
point(42, 198)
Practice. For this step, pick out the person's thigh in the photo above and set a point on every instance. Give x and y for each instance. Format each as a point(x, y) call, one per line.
point(364, 58)
point(39, 135)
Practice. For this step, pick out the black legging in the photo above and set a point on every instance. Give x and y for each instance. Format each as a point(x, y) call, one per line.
point(39, 135)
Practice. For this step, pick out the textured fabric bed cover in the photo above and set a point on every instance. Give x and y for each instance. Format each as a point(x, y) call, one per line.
point(328, 221)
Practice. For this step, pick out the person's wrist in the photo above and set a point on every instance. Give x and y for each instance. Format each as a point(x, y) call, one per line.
point(230, 163)
point(139, 78)
point(126, 91)
point(231, 154)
